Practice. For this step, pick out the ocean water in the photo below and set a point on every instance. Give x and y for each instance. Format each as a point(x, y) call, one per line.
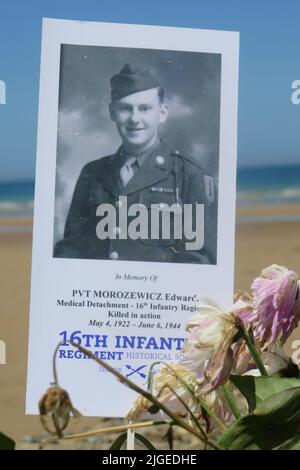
point(255, 186)
point(16, 198)
point(268, 185)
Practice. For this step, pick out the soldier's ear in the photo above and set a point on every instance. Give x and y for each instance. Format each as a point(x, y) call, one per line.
point(112, 111)
point(164, 111)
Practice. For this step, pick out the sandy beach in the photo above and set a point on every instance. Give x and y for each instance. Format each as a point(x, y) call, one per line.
point(257, 245)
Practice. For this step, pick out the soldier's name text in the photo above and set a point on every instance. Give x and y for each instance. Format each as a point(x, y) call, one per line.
point(133, 295)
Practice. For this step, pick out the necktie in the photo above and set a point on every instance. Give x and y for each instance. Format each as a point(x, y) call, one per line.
point(128, 169)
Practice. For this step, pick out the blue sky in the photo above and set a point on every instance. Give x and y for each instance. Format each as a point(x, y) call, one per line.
point(268, 131)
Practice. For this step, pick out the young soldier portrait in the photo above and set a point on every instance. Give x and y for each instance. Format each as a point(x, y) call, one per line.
point(147, 171)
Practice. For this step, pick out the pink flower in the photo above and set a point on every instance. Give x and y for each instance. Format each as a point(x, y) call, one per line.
point(276, 304)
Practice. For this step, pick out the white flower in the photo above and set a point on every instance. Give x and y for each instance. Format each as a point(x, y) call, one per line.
point(208, 348)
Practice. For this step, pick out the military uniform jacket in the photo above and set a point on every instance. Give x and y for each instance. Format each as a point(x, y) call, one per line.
point(166, 177)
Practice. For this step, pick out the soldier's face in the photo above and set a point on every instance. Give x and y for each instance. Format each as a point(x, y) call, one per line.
point(138, 116)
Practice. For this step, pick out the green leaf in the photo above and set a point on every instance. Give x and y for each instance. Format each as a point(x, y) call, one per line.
point(291, 444)
point(275, 424)
point(257, 389)
point(6, 443)
point(144, 441)
point(117, 444)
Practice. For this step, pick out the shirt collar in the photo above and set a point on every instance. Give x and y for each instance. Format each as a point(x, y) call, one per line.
point(142, 157)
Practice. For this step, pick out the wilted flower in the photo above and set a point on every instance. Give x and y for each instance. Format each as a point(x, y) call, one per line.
point(277, 304)
point(243, 307)
point(140, 407)
point(177, 381)
point(169, 384)
point(242, 358)
point(217, 402)
point(167, 387)
point(56, 403)
point(208, 349)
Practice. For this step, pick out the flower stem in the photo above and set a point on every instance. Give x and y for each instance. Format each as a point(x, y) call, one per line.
point(231, 402)
point(55, 377)
point(119, 428)
point(254, 354)
point(180, 422)
point(112, 429)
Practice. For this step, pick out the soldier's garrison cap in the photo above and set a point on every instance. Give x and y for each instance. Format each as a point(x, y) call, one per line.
point(131, 80)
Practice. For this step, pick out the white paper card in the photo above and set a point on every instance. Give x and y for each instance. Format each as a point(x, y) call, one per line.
point(125, 299)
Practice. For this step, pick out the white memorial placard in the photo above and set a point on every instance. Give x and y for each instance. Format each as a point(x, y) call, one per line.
point(134, 215)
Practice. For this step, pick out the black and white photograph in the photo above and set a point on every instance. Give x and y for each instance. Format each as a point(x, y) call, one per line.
point(137, 155)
